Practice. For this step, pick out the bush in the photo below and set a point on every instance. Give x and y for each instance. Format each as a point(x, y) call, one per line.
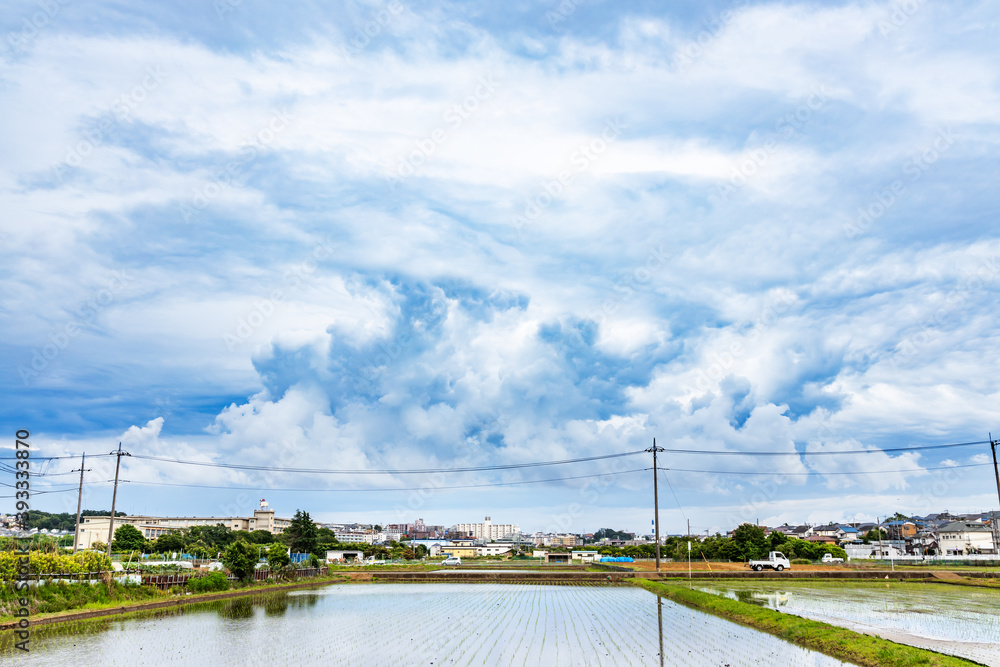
point(801, 561)
point(216, 581)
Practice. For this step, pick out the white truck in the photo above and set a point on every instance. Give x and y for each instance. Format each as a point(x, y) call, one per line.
point(830, 559)
point(775, 561)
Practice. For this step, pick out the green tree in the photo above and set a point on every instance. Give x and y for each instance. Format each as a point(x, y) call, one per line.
point(777, 539)
point(240, 558)
point(127, 538)
point(260, 537)
point(168, 543)
point(301, 534)
point(277, 556)
point(749, 542)
point(872, 536)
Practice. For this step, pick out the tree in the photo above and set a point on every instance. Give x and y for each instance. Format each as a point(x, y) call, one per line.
point(301, 534)
point(168, 543)
point(777, 539)
point(277, 556)
point(749, 542)
point(240, 558)
point(260, 537)
point(127, 538)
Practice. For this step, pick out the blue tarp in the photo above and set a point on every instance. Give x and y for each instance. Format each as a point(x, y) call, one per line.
point(617, 559)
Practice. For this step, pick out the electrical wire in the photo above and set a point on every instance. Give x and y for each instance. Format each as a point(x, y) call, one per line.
point(386, 490)
point(855, 472)
point(826, 453)
point(419, 471)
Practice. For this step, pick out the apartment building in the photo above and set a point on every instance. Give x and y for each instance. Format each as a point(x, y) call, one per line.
point(487, 530)
point(95, 528)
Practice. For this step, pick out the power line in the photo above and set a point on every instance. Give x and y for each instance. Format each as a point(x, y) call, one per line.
point(418, 471)
point(854, 472)
point(387, 489)
point(826, 453)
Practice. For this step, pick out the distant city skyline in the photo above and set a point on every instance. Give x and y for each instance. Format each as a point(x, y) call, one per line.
point(379, 261)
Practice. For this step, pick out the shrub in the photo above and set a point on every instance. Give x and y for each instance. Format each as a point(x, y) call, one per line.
point(216, 581)
point(801, 561)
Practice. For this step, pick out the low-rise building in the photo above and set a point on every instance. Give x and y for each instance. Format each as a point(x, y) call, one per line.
point(95, 528)
point(452, 550)
point(962, 538)
point(493, 549)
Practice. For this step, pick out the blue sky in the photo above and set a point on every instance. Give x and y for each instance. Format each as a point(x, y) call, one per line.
point(376, 235)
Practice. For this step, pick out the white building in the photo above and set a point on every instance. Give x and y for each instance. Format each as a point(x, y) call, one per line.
point(493, 549)
point(487, 530)
point(95, 528)
point(358, 536)
point(963, 538)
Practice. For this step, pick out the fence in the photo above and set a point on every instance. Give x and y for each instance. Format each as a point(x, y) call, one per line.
point(165, 582)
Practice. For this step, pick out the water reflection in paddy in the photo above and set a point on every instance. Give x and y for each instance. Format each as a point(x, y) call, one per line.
point(422, 624)
point(957, 620)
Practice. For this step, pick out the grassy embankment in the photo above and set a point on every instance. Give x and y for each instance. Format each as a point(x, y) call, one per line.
point(64, 599)
point(840, 643)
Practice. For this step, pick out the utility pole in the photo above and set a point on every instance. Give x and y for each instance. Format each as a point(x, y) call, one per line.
point(114, 495)
point(79, 501)
point(995, 523)
point(656, 504)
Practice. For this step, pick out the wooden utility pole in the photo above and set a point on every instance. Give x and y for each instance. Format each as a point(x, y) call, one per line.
point(656, 504)
point(995, 522)
point(79, 501)
point(114, 495)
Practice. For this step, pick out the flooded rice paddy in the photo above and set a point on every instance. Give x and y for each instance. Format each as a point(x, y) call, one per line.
point(420, 624)
point(956, 620)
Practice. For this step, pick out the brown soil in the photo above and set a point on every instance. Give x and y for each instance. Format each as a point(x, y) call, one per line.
point(721, 567)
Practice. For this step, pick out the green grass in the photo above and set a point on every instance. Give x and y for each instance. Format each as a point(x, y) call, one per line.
point(837, 642)
point(60, 596)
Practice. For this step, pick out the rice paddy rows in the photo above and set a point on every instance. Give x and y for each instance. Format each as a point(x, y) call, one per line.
point(958, 621)
point(429, 624)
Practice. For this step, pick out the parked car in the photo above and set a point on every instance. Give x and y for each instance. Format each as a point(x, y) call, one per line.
point(452, 560)
point(831, 559)
point(775, 560)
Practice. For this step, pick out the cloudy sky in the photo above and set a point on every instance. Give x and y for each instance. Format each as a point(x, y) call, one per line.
point(375, 235)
